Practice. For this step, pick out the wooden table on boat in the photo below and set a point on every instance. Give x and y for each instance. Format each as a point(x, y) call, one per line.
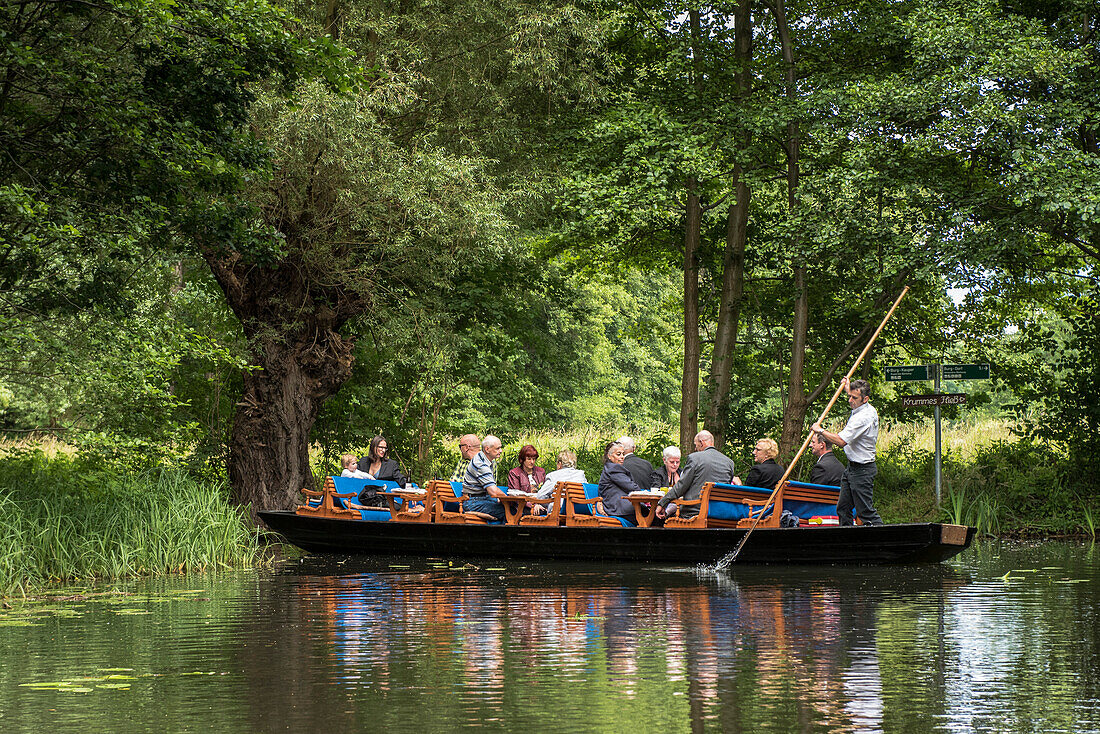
point(645, 507)
point(391, 497)
point(513, 507)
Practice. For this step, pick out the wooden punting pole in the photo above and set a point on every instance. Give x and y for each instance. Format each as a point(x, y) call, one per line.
point(731, 557)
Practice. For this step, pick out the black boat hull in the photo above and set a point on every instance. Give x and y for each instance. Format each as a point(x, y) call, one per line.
point(888, 544)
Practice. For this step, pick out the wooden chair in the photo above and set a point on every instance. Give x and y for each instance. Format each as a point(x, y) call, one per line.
point(574, 496)
point(699, 520)
point(450, 493)
point(330, 502)
point(423, 512)
point(553, 513)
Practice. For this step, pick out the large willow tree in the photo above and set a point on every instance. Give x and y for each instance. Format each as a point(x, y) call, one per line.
point(380, 196)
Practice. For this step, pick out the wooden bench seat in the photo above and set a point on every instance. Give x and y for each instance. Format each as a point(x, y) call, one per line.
point(738, 505)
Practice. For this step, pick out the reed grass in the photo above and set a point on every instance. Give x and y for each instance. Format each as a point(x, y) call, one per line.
point(1090, 522)
point(982, 512)
point(63, 522)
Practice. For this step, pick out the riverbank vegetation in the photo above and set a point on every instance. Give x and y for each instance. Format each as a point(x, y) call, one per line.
point(64, 519)
point(237, 240)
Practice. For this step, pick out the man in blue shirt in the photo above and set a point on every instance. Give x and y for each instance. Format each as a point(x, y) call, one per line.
point(858, 437)
point(480, 482)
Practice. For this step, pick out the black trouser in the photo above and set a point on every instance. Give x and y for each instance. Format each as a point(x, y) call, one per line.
point(857, 490)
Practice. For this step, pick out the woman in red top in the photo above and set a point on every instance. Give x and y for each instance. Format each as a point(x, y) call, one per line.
point(527, 477)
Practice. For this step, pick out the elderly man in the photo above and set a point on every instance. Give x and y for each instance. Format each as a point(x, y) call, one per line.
point(467, 447)
point(639, 469)
point(828, 469)
point(480, 481)
point(705, 464)
point(858, 437)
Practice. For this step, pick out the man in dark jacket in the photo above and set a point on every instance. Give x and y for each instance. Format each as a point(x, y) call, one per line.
point(640, 470)
point(828, 468)
point(706, 464)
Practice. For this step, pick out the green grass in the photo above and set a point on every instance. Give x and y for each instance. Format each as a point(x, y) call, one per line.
point(62, 521)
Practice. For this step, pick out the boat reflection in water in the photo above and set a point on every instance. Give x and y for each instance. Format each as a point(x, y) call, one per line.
point(588, 648)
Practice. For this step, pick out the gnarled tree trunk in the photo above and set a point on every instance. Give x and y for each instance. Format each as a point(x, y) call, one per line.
point(299, 360)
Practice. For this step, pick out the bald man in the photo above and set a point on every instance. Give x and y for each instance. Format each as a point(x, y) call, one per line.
point(705, 464)
point(467, 446)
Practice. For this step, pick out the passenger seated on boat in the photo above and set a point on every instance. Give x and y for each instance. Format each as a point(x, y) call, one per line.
point(480, 483)
point(765, 472)
point(527, 476)
point(615, 484)
point(706, 464)
point(669, 473)
point(376, 464)
point(828, 469)
point(351, 468)
point(467, 447)
point(567, 471)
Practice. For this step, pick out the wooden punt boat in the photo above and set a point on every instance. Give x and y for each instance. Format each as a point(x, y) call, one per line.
point(887, 544)
point(329, 527)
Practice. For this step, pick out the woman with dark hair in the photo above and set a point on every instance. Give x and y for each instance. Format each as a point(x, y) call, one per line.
point(377, 465)
point(527, 476)
point(615, 484)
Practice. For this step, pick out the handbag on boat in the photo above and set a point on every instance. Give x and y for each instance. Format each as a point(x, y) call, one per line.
point(369, 497)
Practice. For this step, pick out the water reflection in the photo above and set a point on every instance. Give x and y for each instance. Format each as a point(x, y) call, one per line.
point(756, 650)
point(1004, 642)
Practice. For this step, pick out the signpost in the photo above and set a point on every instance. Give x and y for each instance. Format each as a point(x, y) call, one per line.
point(929, 401)
point(900, 373)
point(953, 372)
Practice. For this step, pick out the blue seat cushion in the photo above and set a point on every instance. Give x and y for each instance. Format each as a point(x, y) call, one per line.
point(350, 484)
point(592, 492)
point(805, 509)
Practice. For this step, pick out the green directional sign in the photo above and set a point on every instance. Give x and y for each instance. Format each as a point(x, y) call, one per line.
point(965, 372)
point(909, 373)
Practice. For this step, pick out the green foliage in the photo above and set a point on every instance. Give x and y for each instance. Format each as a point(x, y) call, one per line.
point(557, 352)
point(1058, 402)
point(124, 126)
point(941, 144)
point(67, 519)
point(121, 119)
point(1018, 487)
point(149, 386)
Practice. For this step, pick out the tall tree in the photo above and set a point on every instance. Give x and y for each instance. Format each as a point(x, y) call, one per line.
point(124, 127)
point(380, 197)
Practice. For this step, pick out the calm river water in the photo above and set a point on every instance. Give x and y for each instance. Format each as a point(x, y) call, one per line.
point(1004, 638)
